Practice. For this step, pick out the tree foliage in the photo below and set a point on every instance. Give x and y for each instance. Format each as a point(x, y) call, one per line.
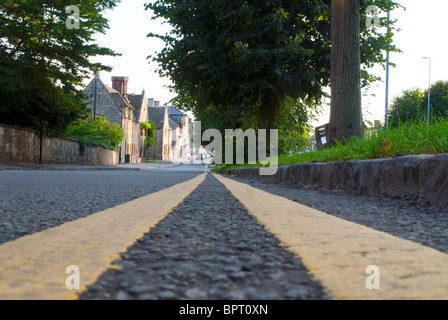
point(406, 107)
point(439, 100)
point(236, 62)
point(43, 62)
point(292, 122)
point(412, 104)
point(151, 130)
point(97, 130)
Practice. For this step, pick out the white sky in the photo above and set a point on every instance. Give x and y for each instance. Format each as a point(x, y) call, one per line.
point(423, 33)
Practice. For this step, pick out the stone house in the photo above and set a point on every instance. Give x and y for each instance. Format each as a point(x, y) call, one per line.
point(162, 146)
point(182, 133)
point(140, 104)
point(173, 134)
point(128, 111)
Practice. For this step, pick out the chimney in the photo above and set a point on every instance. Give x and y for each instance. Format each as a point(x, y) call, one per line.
point(156, 104)
point(150, 103)
point(120, 84)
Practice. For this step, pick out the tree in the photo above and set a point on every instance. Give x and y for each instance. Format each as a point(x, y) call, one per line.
point(43, 62)
point(292, 119)
point(150, 129)
point(346, 110)
point(237, 61)
point(244, 55)
point(439, 100)
point(412, 104)
point(407, 107)
point(96, 131)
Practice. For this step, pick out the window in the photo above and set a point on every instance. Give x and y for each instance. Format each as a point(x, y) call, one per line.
point(99, 96)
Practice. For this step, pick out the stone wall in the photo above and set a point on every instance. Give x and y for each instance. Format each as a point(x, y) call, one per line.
point(421, 176)
point(19, 145)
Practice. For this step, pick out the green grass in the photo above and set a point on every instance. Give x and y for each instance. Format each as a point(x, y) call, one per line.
point(406, 139)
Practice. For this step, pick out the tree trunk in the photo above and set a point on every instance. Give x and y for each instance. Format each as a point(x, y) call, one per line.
point(346, 111)
point(268, 114)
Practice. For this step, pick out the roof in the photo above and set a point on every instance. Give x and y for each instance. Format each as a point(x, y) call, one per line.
point(109, 89)
point(137, 102)
point(176, 116)
point(120, 100)
point(175, 112)
point(157, 115)
point(172, 124)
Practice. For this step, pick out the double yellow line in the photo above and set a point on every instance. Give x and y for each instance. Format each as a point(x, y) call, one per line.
point(336, 252)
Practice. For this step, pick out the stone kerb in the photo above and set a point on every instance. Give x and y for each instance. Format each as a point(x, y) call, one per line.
point(424, 176)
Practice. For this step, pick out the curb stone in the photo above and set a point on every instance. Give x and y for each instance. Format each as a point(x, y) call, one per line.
point(416, 176)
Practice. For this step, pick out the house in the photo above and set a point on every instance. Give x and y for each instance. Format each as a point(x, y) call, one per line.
point(162, 146)
point(173, 132)
point(312, 144)
point(140, 104)
point(182, 136)
point(128, 111)
point(175, 143)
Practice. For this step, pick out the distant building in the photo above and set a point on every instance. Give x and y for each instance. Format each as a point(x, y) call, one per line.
point(173, 132)
point(182, 136)
point(119, 108)
point(162, 146)
point(172, 139)
point(312, 144)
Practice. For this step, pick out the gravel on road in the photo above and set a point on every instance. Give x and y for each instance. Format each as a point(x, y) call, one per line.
point(411, 219)
point(32, 201)
point(208, 247)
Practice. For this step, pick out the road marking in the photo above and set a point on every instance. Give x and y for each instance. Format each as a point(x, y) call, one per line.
point(34, 267)
point(337, 252)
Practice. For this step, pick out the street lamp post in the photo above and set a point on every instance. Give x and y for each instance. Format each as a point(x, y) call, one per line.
point(429, 89)
point(386, 120)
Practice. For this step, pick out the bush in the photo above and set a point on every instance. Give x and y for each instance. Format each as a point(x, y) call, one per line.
point(151, 129)
point(96, 131)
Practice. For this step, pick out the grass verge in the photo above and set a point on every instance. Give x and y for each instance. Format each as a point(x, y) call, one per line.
point(406, 139)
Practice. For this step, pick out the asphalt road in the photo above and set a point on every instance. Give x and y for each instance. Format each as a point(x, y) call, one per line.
point(209, 238)
point(34, 200)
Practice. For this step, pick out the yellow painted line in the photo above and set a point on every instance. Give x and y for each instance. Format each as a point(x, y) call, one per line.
point(33, 267)
point(337, 252)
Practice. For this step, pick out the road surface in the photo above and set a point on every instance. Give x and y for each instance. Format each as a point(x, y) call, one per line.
point(161, 231)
